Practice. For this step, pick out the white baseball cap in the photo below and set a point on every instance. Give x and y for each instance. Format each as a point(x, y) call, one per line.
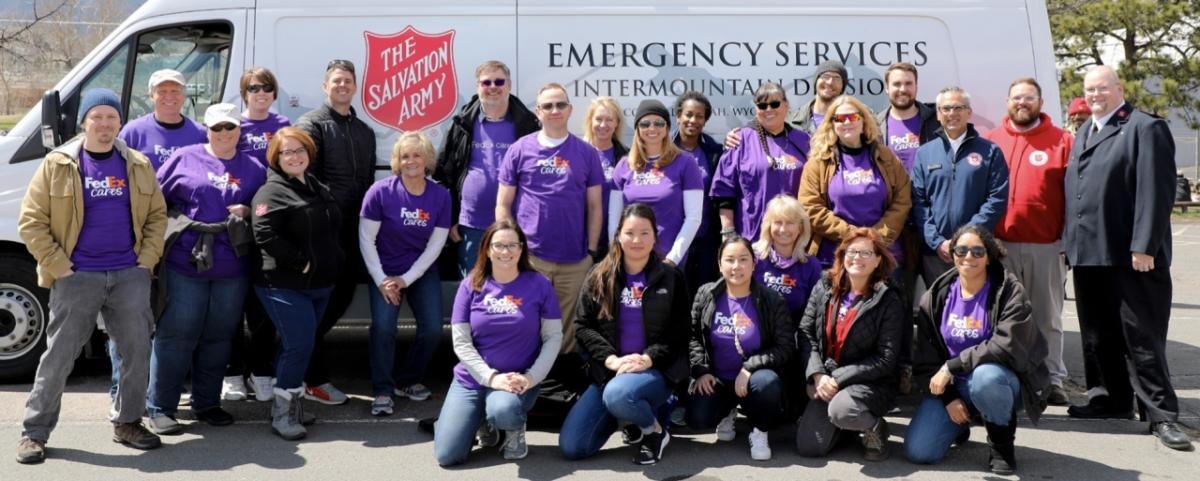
point(222, 113)
point(166, 75)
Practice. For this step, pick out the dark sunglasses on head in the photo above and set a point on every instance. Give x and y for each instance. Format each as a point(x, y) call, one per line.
point(221, 127)
point(550, 106)
point(774, 104)
point(843, 118)
point(976, 251)
point(256, 88)
point(340, 64)
point(489, 82)
point(658, 124)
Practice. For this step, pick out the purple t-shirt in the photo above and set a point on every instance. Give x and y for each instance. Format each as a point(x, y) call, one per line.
point(406, 220)
point(789, 277)
point(816, 120)
point(965, 321)
point(630, 331)
point(506, 322)
point(754, 177)
point(662, 190)
point(106, 238)
point(608, 163)
point(551, 200)
point(857, 195)
point(256, 134)
point(201, 186)
point(904, 137)
point(738, 318)
point(491, 141)
point(157, 143)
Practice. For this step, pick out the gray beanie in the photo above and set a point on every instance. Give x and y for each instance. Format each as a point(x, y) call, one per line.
point(652, 107)
point(832, 66)
point(96, 97)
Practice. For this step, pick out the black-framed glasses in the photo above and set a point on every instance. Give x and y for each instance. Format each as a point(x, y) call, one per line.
point(223, 126)
point(952, 108)
point(506, 246)
point(774, 104)
point(552, 106)
point(658, 124)
point(487, 82)
point(976, 251)
point(859, 254)
point(291, 152)
point(256, 88)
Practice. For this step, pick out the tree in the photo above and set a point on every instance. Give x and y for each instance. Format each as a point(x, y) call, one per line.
point(1155, 42)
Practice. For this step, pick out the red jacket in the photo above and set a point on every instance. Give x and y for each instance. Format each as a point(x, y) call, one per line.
point(1037, 166)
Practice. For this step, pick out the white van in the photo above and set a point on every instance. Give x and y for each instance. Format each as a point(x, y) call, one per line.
point(416, 63)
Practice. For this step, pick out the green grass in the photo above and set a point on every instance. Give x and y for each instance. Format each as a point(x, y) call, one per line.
point(8, 121)
point(1193, 214)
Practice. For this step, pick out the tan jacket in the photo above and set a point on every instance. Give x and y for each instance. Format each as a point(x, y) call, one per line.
point(814, 195)
point(52, 211)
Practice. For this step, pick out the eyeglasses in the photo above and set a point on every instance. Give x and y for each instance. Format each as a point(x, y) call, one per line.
point(291, 152)
point(506, 247)
point(1025, 99)
point(976, 251)
point(1097, 90)
point(774, 104)
point(658, 124)
point(845, 118)
point(487, 82)
point(953, 108)
point(552, 106)
point(829, 77)
point(223, 126)
point(855, 253)
point(256, 88)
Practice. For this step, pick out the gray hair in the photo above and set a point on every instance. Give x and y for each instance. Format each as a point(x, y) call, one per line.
point(954, 89)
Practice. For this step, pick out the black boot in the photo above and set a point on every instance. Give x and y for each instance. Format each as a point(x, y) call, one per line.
point(1002, 459)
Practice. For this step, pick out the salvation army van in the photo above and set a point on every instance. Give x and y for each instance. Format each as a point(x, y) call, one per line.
point(416, 63)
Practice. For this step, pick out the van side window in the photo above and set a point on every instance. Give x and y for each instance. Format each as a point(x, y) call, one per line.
point(200, 52)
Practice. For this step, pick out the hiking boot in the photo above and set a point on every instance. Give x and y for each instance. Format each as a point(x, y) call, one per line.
point(1002, 457)
point(725, 428)
point(382, 406)
point(233, 388)
point(514, 445)
point(135, 435)
point(1058, 396)
point(415, 392)
point(164, 424)
point(282, 423)
point(31, 451)
point(264, 387)
point(874, 441)
point(487, 435)
point(760, 448)
point(650, 451)
point(324, 394)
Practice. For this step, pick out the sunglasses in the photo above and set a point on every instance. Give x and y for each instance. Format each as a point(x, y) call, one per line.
point(340, 64)
point(844, 118)
point(976, 251)
point(489, 82)
point(256, 88)
point(774, 104)
point(551, 106)
point(658, 124)
point(223, 126)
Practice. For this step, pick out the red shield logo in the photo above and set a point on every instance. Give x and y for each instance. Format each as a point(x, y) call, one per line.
point(409, 83)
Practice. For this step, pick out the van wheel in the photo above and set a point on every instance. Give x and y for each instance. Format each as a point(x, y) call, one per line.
point(23, 317)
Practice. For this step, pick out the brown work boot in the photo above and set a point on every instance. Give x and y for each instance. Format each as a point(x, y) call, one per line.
point(31, 451)
point(135, 435)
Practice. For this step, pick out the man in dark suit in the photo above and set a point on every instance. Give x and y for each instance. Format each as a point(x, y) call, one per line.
point(1119, 187)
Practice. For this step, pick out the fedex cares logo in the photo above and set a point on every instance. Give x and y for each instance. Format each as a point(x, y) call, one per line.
point(107, 187)
point(416, 217)
point(653, 176)
point(502, 305)
point(409, 82)
point(225, 182)
point(781, 283)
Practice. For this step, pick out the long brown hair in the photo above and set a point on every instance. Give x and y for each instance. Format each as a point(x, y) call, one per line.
point(638, 158)
point(483, 264)
point(837, 274)
point(604, 286)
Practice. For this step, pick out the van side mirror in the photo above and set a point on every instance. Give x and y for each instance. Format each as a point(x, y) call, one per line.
point(52, 120)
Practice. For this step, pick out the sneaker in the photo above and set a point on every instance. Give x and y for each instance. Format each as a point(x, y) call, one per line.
point(31, 451)
point(233, 388)
point(215, 417)
point(135, 435)
point(325, 394)
point(874, 441)
point(725, 428)
point(631, 434)
point(1058, 396)
point(164, 424)
point(264, 387)
point(185, 397)
point(382, 406)
point(651, 449)
point(514, 445)
point(487, 435)
point(760, 448)
point(415, 392)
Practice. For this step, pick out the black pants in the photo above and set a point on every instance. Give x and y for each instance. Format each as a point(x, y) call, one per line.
point(254, 354)
point(354, 272)
point(1125, 313)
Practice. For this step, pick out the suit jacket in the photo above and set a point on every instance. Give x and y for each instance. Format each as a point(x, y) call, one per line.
point(1120, 188)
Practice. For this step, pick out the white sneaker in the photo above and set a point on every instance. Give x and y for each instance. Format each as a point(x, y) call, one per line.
point(233, 388)
point(725, 428)
point(264, 387)
point(760, 448)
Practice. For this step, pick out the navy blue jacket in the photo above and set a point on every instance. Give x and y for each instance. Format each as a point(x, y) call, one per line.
point(953, 189)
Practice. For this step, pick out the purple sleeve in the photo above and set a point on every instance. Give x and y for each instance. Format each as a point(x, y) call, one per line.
point(724, 183)
point(167, 180)
point(510, 166)
point(462, 303)
point(444, 209)
point(595, 168)
point(371, 208)
point(549, 300)
point(620, 175)
point(692, 178)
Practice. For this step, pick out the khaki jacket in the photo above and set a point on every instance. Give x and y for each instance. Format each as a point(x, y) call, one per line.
point(52, 211)
point(814, 196)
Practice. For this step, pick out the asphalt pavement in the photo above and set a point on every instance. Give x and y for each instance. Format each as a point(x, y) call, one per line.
point(348, 443)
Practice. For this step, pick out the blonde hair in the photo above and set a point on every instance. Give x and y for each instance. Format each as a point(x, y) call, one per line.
point(424, 147)
point(825, 140)
point(637, 152)
point(610, 104)
point(788, 208)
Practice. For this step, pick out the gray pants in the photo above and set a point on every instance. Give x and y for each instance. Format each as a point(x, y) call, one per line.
point(1041, 269)
point(822, 421)
point(123, 297)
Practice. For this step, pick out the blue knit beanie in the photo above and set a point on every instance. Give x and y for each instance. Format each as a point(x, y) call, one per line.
point(97, 97)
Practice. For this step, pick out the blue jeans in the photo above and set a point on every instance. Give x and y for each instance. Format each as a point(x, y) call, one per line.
point(468, 248)
point(194, 334)
point(763, 405)
point(425, 298)
point(296, 314)
point(632, 397)
point(991, 391)
point(465, 408)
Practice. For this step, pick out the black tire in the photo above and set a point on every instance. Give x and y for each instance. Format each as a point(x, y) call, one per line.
point(24, 312)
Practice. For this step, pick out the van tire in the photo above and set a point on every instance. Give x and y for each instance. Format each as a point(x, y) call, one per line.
point(24, 314)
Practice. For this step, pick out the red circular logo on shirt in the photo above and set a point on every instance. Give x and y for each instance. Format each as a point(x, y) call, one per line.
point(1038, 158)
point(974, 159)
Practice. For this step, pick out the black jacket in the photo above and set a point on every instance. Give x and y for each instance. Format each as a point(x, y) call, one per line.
point(929, 122)
point(664, 315)
point(1016, 342)
point(345, 158)
point(296, 224)
point(870, 349)
point(1120, 188)
point(452, 161)
point(774, 323)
